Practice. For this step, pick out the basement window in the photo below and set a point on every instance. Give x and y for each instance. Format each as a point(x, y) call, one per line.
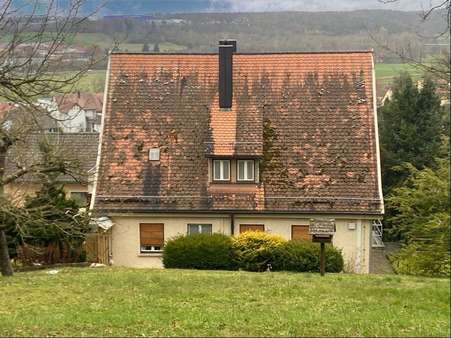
point(151, 236)
point(221, 170)
point(246, 170)
point(199, 229)
point(154, 154)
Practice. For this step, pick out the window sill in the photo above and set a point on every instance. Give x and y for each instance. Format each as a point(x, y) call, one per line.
point(151, 254)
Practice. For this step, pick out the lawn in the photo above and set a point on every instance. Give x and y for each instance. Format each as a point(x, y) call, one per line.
point(386, 72)
point(393, 69)
point(124, 302)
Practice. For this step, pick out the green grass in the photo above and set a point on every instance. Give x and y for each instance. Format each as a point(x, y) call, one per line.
point(393, 69)
point(93, 81)
point(99, 39)
point(386, 72)
point(123, 302)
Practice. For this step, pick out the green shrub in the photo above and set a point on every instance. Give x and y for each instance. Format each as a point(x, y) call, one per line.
point(421, 260)
point(253, 250)
point(199, 251)
point(303, 256)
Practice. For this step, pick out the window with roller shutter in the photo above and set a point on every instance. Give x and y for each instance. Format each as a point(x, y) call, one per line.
point(252, 227)
point(151, 237)
point(300, 232)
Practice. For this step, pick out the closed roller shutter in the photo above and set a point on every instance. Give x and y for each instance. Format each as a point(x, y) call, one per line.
point(300, 232)
point(252, 227)
point(152, 234)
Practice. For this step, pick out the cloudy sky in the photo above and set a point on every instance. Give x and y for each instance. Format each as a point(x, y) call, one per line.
point(315, 5)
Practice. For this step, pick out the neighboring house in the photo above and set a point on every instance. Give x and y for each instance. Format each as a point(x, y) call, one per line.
point(442, 90)
point(73, 113)
point(79, 149)
point(5, 108)
point(238, 141)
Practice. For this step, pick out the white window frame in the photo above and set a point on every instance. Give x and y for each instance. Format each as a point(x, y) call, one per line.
point(199, 228)
point(154, 154)
point(153, 248)
point(246, 177)
point(221, 170)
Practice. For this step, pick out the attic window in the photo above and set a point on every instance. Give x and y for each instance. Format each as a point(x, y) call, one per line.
point(221, 170)
point(154, 154)
point(246, 170)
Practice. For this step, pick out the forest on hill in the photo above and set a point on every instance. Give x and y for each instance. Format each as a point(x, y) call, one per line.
point(401, 32)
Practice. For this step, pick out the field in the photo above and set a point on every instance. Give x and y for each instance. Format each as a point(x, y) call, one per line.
point(124, 302)
point(100, 40)
point(386, 72)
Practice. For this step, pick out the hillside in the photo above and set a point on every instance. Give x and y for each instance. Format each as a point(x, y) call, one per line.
point(146, 7)
point(402, 32)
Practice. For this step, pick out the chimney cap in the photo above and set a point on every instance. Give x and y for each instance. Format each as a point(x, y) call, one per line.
point(228, 42)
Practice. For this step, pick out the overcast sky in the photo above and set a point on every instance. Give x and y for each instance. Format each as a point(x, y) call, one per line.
point(316, 5)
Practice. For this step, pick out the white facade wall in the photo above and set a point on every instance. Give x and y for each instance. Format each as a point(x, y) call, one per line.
point(353, 235)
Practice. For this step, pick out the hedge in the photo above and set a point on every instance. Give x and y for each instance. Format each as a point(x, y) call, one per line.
point(303, 256)
point(199, 251)
point(251, 251)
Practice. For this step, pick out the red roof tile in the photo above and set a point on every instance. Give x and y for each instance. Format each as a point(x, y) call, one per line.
point(89, 101)
point(308, 116)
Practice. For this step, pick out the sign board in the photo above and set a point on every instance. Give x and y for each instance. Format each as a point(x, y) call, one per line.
point(322, 227)
point(322, 231)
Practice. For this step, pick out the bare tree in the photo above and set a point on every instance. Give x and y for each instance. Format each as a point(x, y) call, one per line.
point(440, 67)
point(31, 61)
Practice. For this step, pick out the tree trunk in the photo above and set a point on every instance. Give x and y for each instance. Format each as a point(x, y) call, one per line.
point(5, 262)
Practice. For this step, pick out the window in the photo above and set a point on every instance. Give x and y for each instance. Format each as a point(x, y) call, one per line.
point(221, 170)
point(151, 237)
point(199, 229)
point(154, 154)
point(245, 170)
point(252, 227)
point(300, 232)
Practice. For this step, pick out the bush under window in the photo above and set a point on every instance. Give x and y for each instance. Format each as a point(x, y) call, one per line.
point(303, 256)
point(251, 251)
point(254, 250)
point(199, 251)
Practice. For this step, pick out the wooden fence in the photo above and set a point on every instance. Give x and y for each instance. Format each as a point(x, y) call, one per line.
point(98, 247)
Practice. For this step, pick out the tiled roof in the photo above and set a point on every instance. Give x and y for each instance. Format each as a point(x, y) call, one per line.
point(309, 117)
point(91, 101)
point(79, 149)
point(5, 107)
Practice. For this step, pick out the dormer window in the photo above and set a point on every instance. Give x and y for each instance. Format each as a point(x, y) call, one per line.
point(245, 170)
point(221, 170)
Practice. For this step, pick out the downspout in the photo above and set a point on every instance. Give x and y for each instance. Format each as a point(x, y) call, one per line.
point(358, 263)
point(232, 224)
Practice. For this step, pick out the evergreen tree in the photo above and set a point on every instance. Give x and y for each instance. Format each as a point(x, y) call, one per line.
point(419, 212)
point(49, 221)
point(411, 129)
point(53, 217)
point(156, 47)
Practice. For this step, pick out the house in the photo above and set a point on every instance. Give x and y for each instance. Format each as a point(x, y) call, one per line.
point(74, 113)
point(442, 90)
point(78, 149)
point(229, 142)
